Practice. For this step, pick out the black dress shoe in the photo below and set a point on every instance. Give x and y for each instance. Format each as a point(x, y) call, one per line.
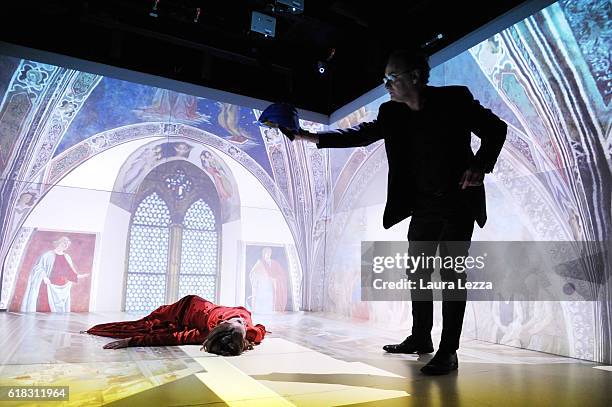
point(441, 363)
point(410, 345)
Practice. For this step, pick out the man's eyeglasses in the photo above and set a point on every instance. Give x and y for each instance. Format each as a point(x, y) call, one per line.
point(390, 77)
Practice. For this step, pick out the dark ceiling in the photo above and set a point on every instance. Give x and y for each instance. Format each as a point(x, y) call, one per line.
point(220, 51)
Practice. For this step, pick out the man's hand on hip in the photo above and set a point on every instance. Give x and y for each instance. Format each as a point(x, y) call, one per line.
point(472, 177)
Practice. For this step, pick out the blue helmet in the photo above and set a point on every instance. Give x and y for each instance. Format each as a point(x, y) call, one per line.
point(280, 115)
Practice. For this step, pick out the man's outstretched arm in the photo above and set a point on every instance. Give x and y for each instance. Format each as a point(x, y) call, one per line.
point(360, 135)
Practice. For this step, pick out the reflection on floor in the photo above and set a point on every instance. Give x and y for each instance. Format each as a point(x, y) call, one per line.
point(309, 359)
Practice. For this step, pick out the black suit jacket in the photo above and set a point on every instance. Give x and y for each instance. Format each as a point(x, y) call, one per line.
point(453, 115)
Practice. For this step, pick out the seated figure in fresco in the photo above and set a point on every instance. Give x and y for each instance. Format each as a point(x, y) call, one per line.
point(192, 320)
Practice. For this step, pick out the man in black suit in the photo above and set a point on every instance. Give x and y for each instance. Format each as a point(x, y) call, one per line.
point(434, 177)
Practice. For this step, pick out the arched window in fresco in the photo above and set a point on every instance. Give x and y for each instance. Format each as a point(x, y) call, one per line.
point(174, 238)
point(148, 255)
point(198, 274)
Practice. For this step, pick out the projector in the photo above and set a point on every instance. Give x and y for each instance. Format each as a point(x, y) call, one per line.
point(291, 6)
point(263, 24)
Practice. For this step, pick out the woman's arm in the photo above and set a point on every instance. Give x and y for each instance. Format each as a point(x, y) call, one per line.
point(121, 343)
point(256, 333)
point(185, 337)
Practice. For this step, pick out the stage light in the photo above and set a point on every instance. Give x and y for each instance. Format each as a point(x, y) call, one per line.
point(153, 12)
point(263, 24)
point(433, 40)
point(321, 67)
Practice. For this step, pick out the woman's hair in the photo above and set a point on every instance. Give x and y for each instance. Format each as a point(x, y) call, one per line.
point(226, 340)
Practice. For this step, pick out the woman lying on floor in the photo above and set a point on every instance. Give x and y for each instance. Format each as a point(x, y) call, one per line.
point(192, 320)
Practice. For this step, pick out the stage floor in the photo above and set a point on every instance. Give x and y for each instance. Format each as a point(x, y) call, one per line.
point(309, 359)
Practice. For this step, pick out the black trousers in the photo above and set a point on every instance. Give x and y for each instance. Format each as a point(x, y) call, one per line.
point(448, 225)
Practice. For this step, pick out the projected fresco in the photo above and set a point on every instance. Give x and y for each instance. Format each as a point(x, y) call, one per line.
point(174, 194)
point(55, 273)
point(548, 77)
point(267, 280)
point(171, 183)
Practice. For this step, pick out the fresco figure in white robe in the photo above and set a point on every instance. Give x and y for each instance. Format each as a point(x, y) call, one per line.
point(54, 272)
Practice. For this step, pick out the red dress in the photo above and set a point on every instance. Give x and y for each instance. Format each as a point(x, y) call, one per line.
point(186, 322)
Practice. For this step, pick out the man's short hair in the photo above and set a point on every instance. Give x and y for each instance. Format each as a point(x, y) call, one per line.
point(412, 58)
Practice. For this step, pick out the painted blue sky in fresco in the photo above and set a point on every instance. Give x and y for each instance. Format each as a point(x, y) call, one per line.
point(115, 103)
